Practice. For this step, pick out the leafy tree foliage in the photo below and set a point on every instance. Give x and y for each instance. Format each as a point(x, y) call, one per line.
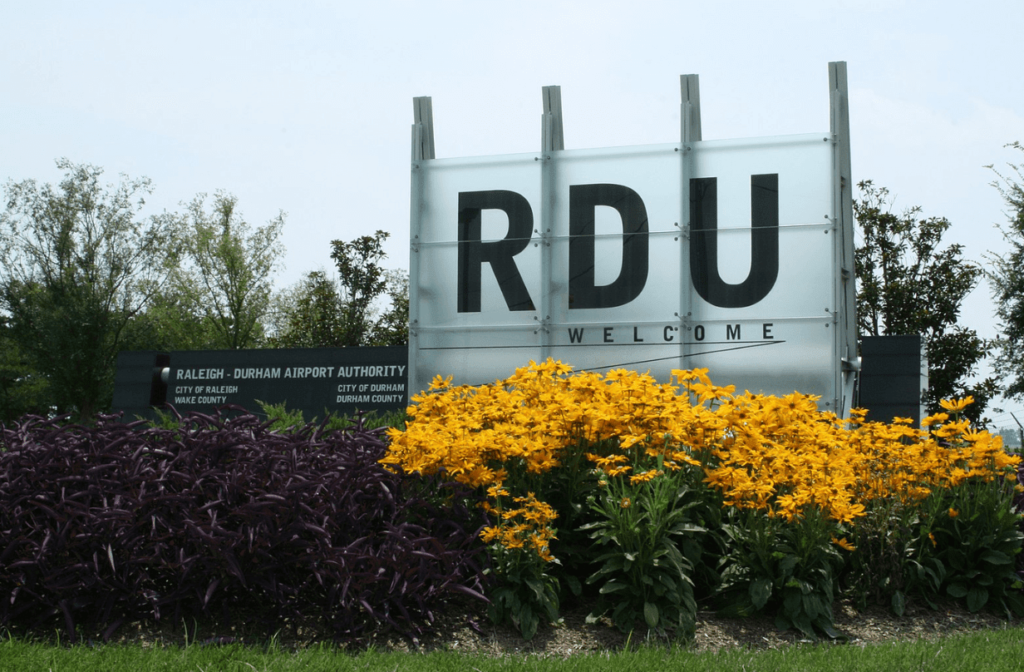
point(362, 279)
point(170, 322)
point(226, 273)
point(1007, 280)
point(322, 312)
point(77, 263)
point(22, 388)
point(392, 327)
point(311, 314)
point(908, 283)
point(84, 275)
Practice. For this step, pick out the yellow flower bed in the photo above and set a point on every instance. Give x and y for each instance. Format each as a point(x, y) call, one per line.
point(778, 454)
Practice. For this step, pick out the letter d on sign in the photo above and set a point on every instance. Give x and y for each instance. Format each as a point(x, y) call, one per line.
point(583, 199)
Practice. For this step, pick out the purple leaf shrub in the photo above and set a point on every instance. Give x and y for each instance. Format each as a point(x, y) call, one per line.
point(224, 517)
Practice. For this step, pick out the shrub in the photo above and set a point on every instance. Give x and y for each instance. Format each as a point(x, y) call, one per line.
point(525, 593)
point(114, 521)
point(641, 524)
point(791, 484)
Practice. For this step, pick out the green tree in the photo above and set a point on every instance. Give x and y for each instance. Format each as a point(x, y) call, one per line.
point(77, 263)
point(908, 283)
point(1006, 277)
point(168, 323)
point(22, 388)
point(313, 315)
point(226, 274)
point(323, 312)
point(310, 315)
point(392, 327)
point(362, 280)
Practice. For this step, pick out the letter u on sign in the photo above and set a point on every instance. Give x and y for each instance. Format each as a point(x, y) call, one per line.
point(764, 242)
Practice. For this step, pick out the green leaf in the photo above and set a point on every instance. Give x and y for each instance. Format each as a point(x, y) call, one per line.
point(936, 575)
point(760, 591)
point(667, 580)
point(956, 590)
point(804, 625)
point(826, 626)
point(787, 565)
point(976, 599)
point(782, 622)
point(994, 557)
point(813, 606)
point(613, 587)
point(651, 614)
point(791, 602)
point(1016, 603)
point(691, 550)
point(899, 603)
point(611, 560)
point(528, 623)
point(574, 585)
point(537, 587)
point(551, 607)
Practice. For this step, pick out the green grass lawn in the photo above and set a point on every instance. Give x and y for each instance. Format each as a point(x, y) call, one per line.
point(994, 650)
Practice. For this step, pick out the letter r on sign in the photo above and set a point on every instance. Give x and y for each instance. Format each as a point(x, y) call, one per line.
point(499, 254)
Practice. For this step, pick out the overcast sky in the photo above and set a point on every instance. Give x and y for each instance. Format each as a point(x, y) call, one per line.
point(305, 107)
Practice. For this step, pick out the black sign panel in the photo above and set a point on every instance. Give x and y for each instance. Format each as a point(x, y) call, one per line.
point(316, 381)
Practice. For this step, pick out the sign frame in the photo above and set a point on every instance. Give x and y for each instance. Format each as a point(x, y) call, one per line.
point(433, 327)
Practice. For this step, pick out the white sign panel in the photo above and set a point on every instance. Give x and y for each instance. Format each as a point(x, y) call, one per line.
point(716, 254)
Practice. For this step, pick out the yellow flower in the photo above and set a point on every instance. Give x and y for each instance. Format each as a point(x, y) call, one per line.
point(512, 542)
point(779, 455)
point(956, 405)
point(953, 513)
point(440, 383)
point(932, 537)
point(497, 490)
point(645, 476)
point(604, 462)
point(844, 544)
point(936, 419)
point(624, 504)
